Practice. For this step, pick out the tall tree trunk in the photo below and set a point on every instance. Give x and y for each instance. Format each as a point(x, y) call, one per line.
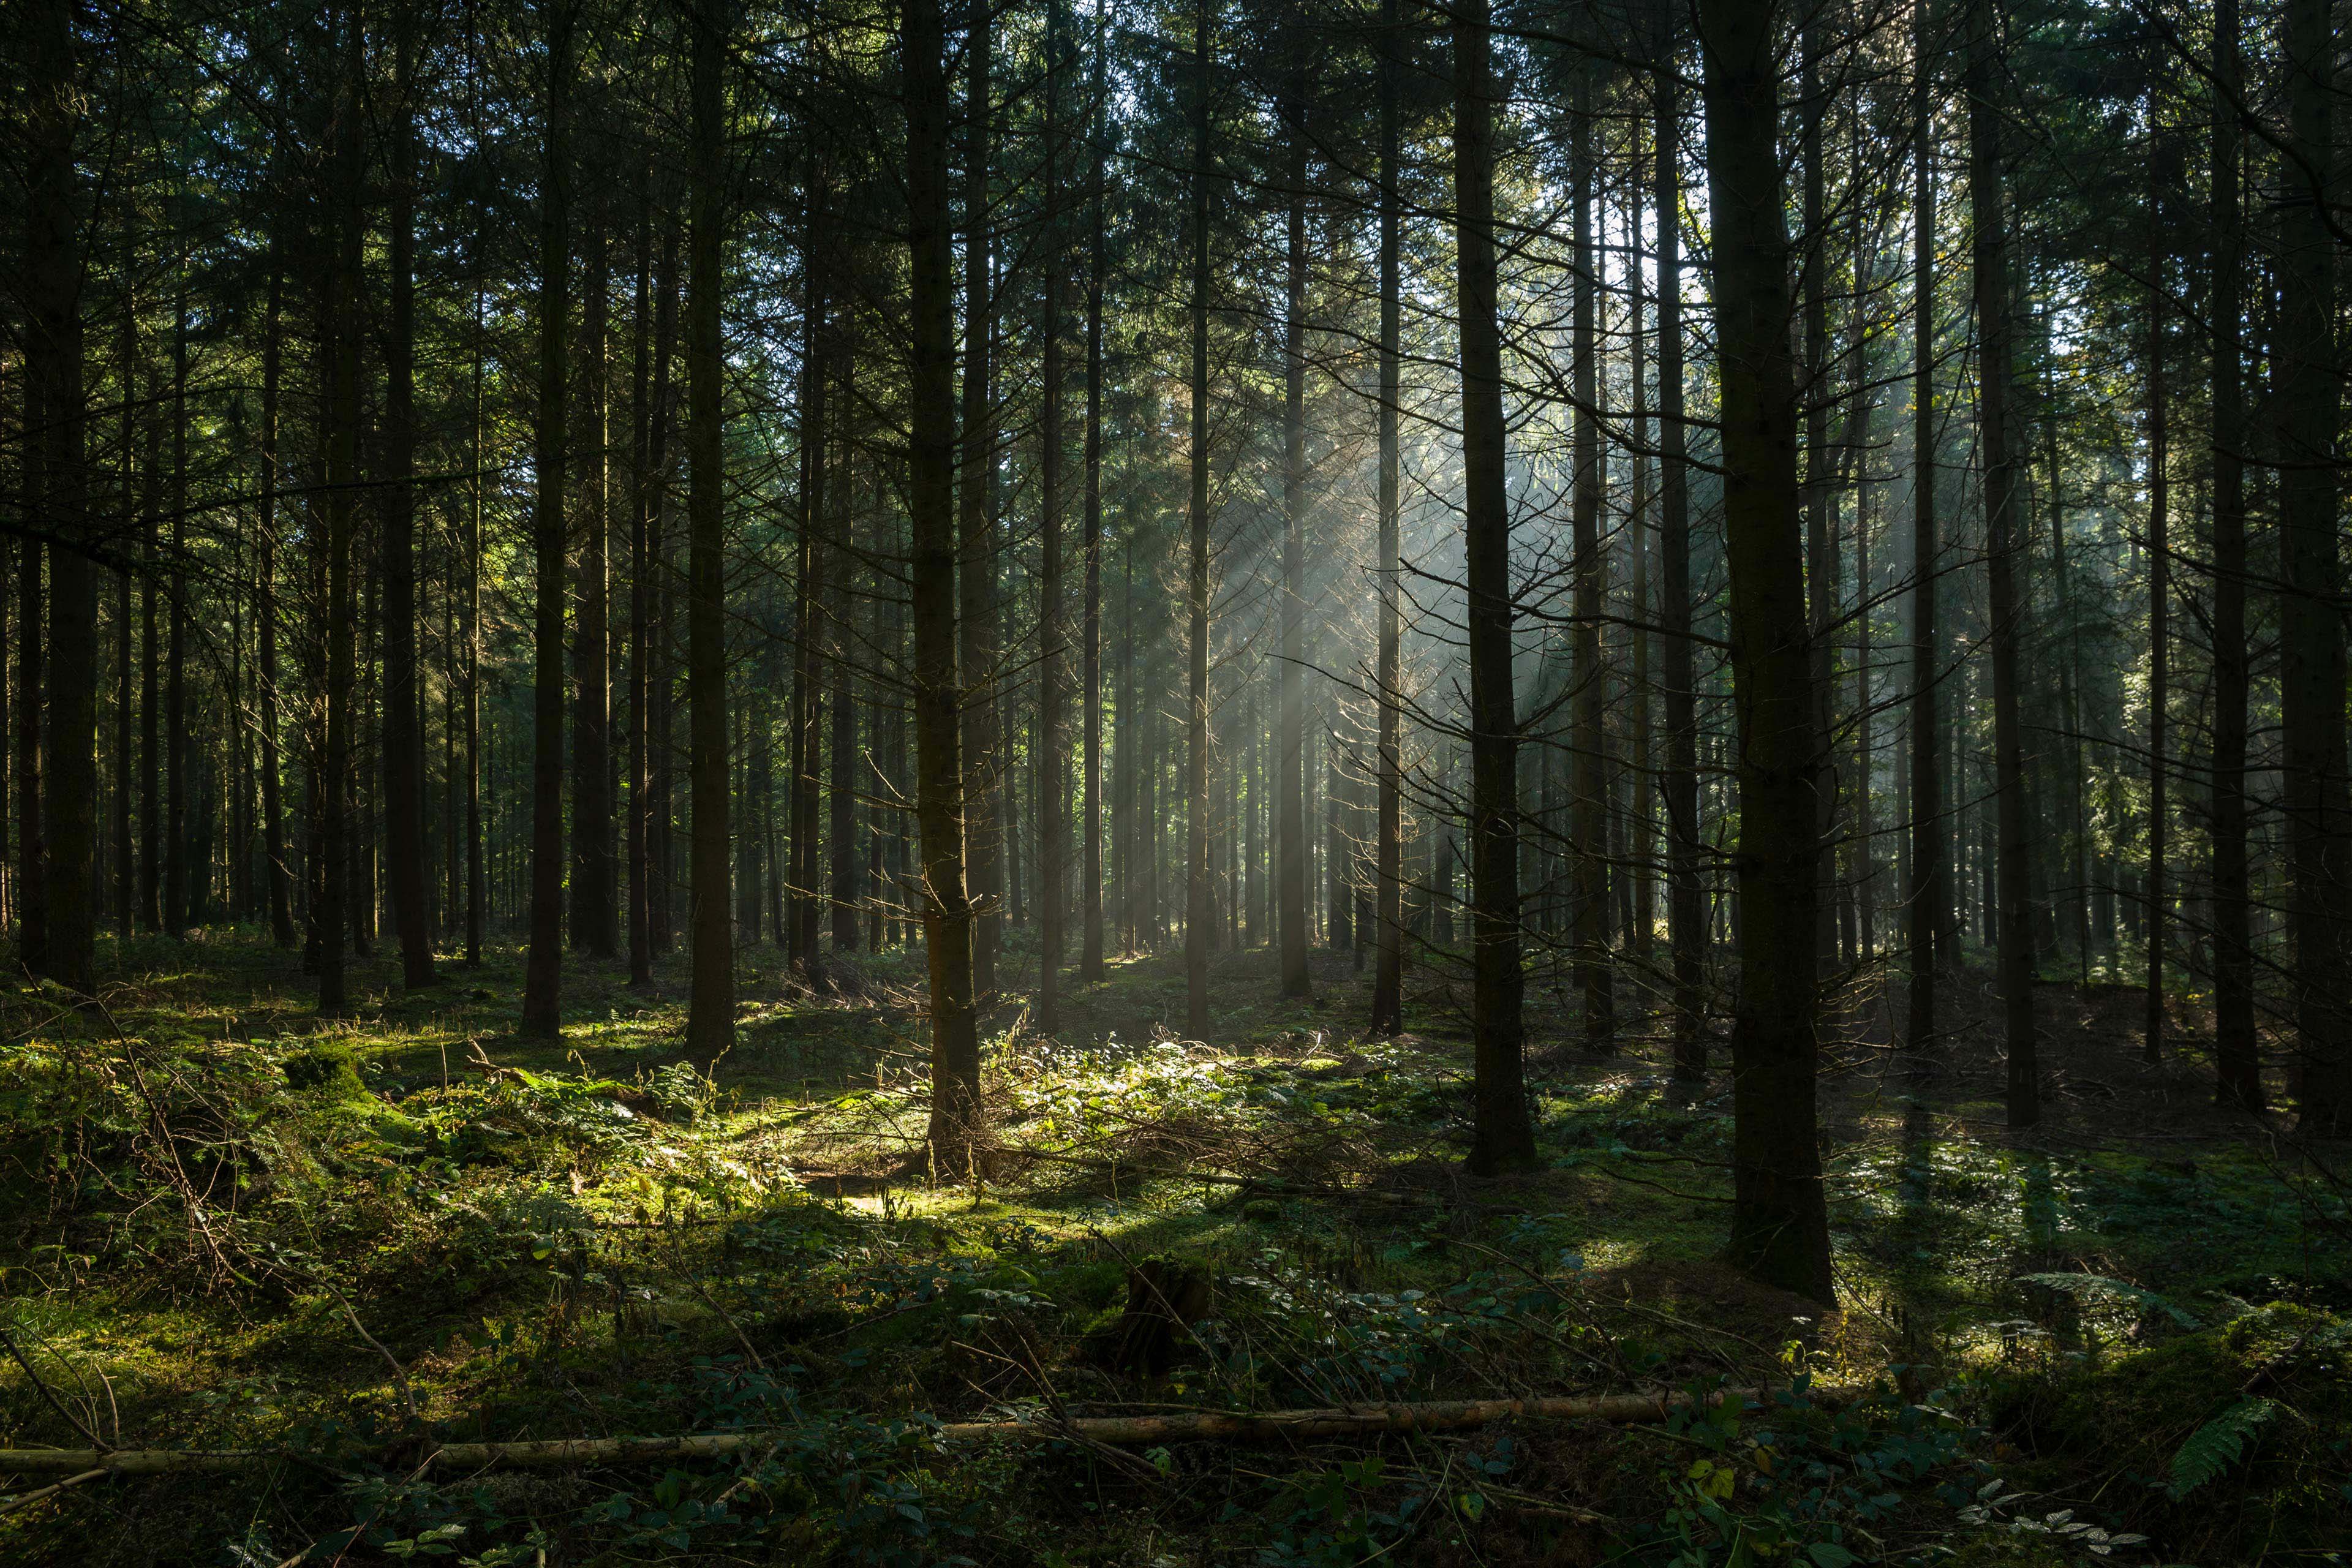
point(841, 793)
point(1686, 894)
point(976, 519)
point(594, 927)
point(2239, 1071)
point(2159, 609)
point(175, 689)
point(660, 763)
point(542, 972)
point(53, 267)
point(1388, 976)
point(1051, 830)
point(1931, 899)
point(1196, 585)
point(940, 799)
point(478, 892)
point(1504, 1138)
point(641, 480)
point(1820, 476)
point(799, 939)
point(2311, 623)
point(1589, 827)
point(1290, 780)
point(138, 498)
point(1779, 1226)
point(273, 820)
point(403, 726)
point(2005, 552)
point(710, 1005)
point(1090, 952)
point(340, 316)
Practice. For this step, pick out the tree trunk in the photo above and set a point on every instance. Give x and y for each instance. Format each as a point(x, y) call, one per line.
point(660, 762)
point(976, 520)
point(641, 952)
point(1686, 896)
point(273, 821)
point(1589, 826)
point(594, 926)
point(1051, 830)
point(53, 343)
point(2005, 551)
point(1931, 899)
point(1504, 1137)
point(176, 658)
point(542, 973)
point(2311, 624)
point(2159, 609)
point(1196, 587)
point(1090, 952)
point(340, 316)
point(1779, 1227)
point(1290, 781)
point(403, 727)
point(1388, 977)
point(710, 1005)
point(940, 803)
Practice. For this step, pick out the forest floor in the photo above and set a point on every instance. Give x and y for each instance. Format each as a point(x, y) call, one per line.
point(227, 1225)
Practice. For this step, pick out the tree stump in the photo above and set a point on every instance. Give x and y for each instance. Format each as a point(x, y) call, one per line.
point(1164, 1298)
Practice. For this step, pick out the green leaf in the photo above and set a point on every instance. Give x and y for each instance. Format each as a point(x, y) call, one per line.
point(2216, 1446)
point(1828, 1555)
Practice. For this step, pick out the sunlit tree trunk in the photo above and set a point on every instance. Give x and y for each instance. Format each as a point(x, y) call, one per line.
point(340, 316)
point(1090, 956)
point(2159, 609)
point(1053, 835)
point(594, 926)
point(641, 480)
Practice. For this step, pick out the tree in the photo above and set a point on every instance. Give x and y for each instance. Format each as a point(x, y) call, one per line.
point(1196, 580)
point(1780, 1224)
point(931, 475)
point(1388, 978)
point(1290, 706)
point(1504, 1138)
point(710, 1013)
point(542, 972)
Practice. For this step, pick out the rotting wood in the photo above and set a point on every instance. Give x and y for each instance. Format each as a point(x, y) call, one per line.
point(1229, 1426)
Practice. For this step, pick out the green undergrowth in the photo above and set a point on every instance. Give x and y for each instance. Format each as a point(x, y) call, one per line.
point(230, 1225)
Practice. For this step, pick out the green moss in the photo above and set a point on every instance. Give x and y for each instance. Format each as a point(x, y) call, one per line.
point(331, 1065)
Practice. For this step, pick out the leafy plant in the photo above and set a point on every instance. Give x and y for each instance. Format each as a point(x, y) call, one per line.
point(2214, 1446)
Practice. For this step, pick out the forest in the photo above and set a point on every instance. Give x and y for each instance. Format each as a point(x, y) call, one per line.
point(1152, 782)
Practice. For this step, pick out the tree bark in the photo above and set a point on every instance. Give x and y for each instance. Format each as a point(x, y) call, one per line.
point(710, 1005)
point(1685, 895)
point(1779, 1227)
point(1196, 585)
point(2311, 624)
point(1290, 780)
point(1090, 952)
point(976, 520)
point(2005, 552)
point(1930, 901)
point(1504, 1138)
point(53, 343)
point(340, 317)
point(940, 796)
point(1589, 826)
point(404, 728)
point(1053, 834)
point(273, 818)
point(594, 925)
point(641, 480)
point(1388, 975)
point(542, 972)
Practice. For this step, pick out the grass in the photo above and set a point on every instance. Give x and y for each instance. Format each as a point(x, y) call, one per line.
point(231, 1224)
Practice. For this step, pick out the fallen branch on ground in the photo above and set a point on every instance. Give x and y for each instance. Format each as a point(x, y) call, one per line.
point(1209, 1425)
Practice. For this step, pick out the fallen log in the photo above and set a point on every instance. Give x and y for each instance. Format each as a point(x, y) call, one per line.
point(1194, 1427)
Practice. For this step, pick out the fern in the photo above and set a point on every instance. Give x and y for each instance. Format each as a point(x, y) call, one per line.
point(2215, 1446)
point(2099, 1288)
